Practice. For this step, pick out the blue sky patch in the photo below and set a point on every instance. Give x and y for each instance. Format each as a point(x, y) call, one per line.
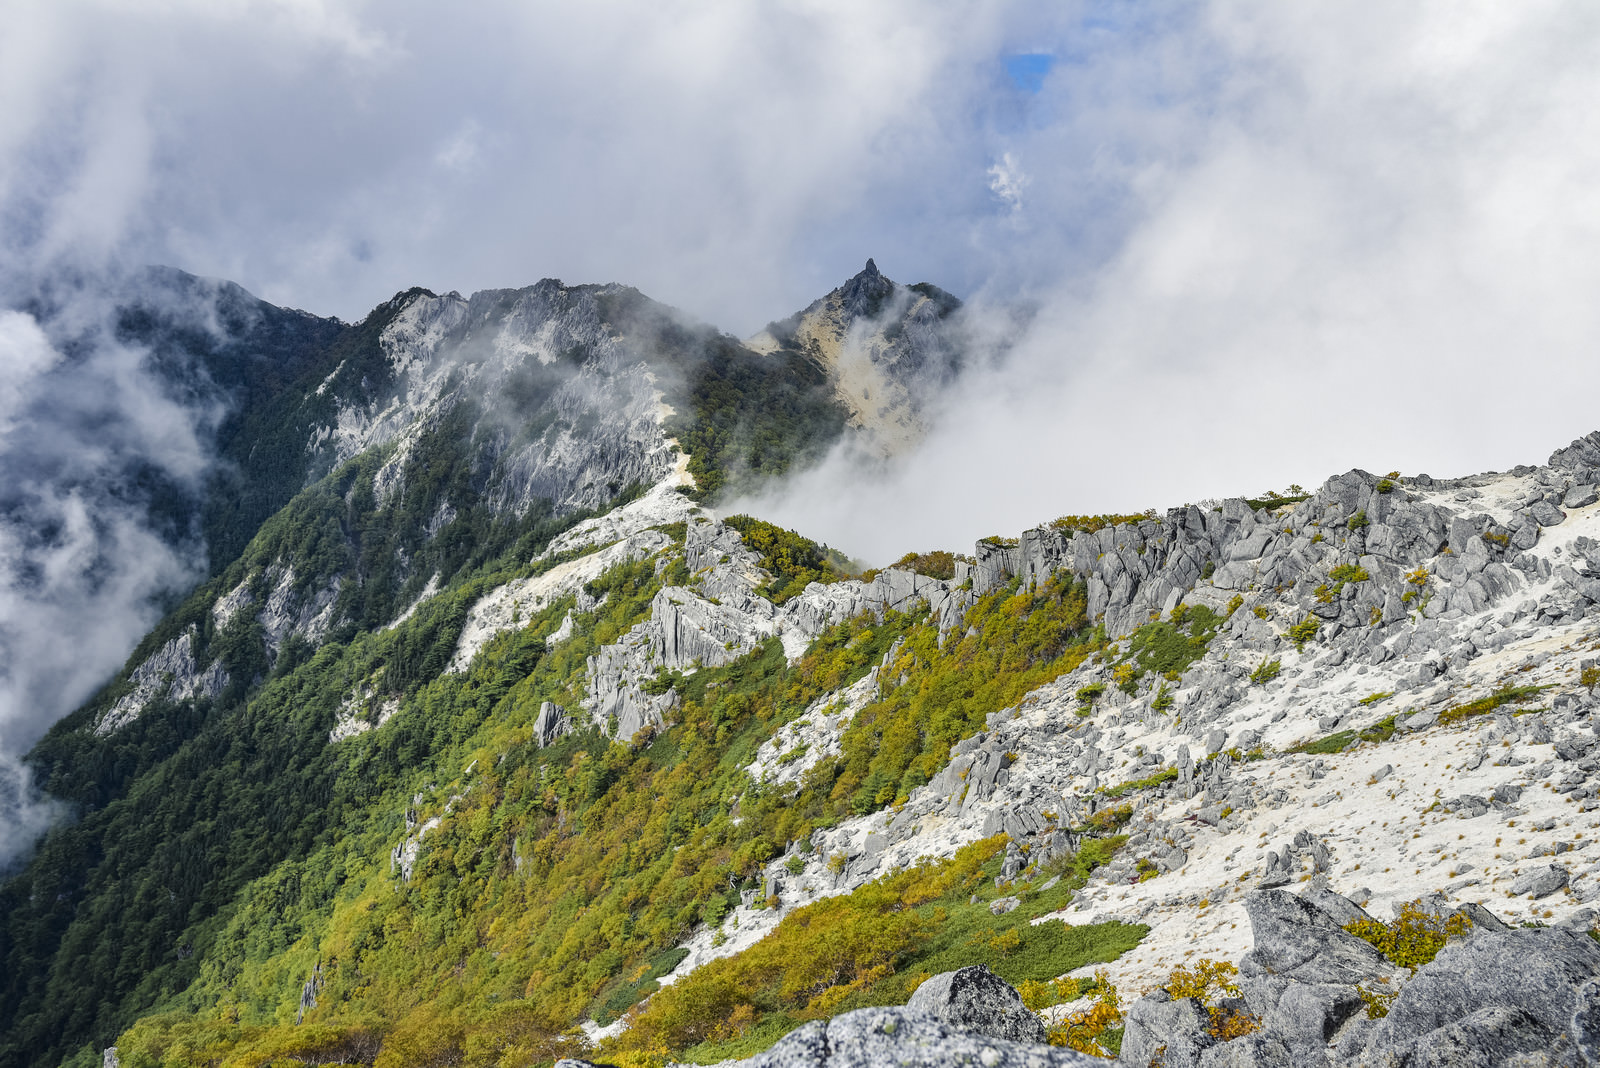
point(1028, 69)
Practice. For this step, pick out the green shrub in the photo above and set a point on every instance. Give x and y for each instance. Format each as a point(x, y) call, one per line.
point(793, 560)
point(1164, 775)
point(1484, 705)
point(1304, 631)
point(1169, 647)
point(873, 947)
point(1413, 938)
point(1266, 671)
point(939, 565)
point(1339, 741)
point(1358, 521)
point(1088, 524)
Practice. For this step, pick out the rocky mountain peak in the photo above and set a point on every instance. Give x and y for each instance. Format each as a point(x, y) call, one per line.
point(865, 295)
point(885, 347)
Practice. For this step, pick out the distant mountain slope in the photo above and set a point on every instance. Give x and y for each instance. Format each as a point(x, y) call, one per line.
point(361, 470)
point(887, 350)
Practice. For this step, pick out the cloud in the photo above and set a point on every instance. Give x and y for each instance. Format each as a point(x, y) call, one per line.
point(84, 424)
point(1006, 181)
point(25, 814)
point(733, 160)
point(1373, 241)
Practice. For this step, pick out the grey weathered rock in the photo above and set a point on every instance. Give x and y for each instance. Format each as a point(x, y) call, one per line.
point(1546, 514)
point(1541, 881)
point(1467, 806)
point(1580, 496)
point(552, 723)
point(1340, 908)
point(1277, 872)
point(871, 1038)
point(975, 999)
point(1166, 1031)
point(1586, 1022)
point(1482, 919)
point(1251, 1051)
point(1533, 975)
point(1508, 793)
point(1308, 1016)
point(1297, 940)
point(1488, 1038)
point(170, 671)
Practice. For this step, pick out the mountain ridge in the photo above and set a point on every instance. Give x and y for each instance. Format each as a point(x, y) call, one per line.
point(473, 742)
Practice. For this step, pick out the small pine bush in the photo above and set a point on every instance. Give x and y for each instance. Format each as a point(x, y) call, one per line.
point(1266, 671)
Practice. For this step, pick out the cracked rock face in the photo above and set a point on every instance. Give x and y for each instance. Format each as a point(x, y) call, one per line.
point(1492, 997)
point(976, 1000)
point(170, 672)
point(875, 1037)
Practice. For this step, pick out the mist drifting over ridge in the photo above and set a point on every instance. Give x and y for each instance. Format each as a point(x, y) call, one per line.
point(91, 440)
point(1259, 245)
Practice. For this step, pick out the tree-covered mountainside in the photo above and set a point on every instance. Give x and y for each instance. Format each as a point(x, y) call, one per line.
point(228, 851)
point(372, 481)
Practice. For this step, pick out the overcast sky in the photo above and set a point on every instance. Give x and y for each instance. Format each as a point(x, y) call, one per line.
point(1265, 242)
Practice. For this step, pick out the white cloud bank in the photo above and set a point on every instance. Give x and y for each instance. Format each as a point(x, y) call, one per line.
point(1378, 246)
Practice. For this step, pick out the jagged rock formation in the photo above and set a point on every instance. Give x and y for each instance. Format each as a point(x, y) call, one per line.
point(594, 421)
point(1384, 686)
point(1454, 591)
point(554, 397)
point(887, 349)
point(871, 1037)
point(721, 617)
point(170, 672)
point(1495, 996)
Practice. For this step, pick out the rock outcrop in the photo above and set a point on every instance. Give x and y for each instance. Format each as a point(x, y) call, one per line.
point(976, 1000)
point(1379, 622)
point(1494, 996)
point(868, 1038)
